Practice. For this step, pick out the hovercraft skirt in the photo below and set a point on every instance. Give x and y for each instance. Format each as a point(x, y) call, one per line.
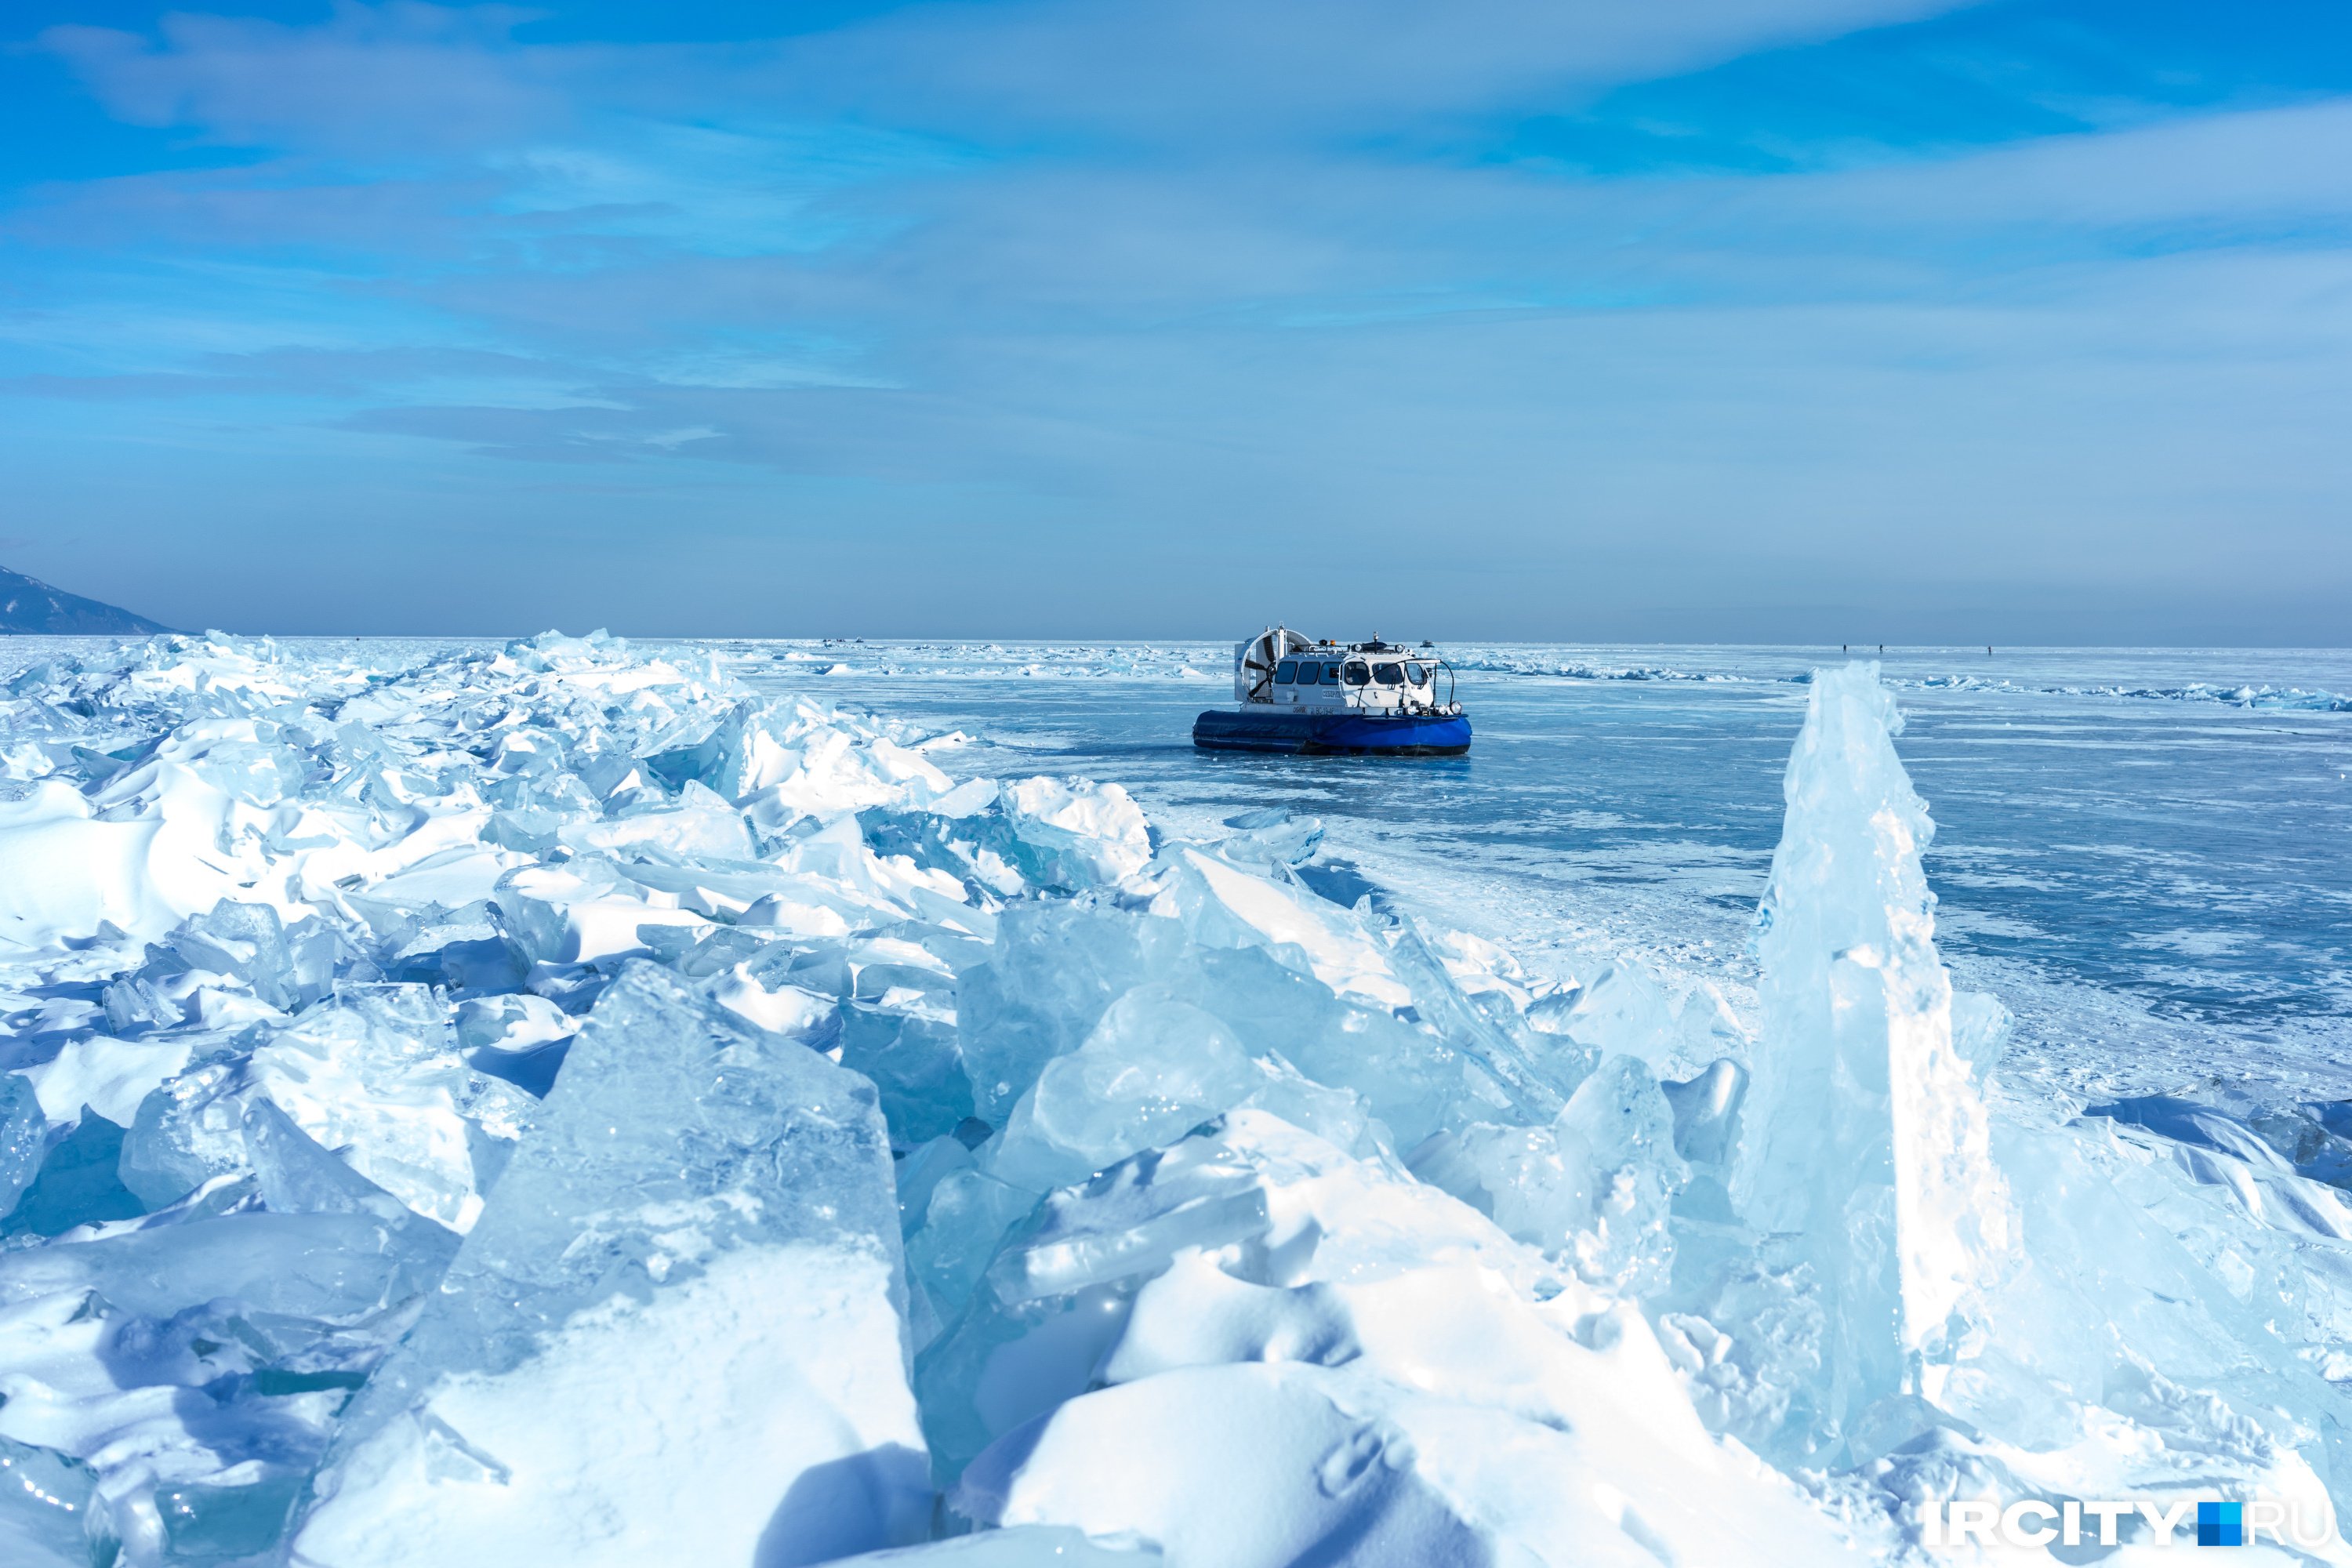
point(1412, 735)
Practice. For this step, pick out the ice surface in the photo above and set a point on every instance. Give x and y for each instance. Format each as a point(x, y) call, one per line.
point(1153, 1069)
point(374, 1075)
point(473, 1103)
point(79, 1181)
point(1624, 1012)
point(963, 1217)
point(520, 1038)
point(1081, 832)
point(1224, 906)
point(45, 1508)
point(24, 1133)
point(701, 1232)
point(188, 1373)
point(1593, 1189)
point(1055, 969)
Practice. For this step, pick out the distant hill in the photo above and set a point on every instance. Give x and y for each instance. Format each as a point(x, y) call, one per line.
point(29, 605)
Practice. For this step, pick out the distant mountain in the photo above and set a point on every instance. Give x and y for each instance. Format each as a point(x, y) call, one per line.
point(29, 605)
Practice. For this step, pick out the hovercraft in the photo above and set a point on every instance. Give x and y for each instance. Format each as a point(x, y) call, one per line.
point(1294, 694)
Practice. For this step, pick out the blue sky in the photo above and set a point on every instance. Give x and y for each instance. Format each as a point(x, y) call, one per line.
point(1805, 320)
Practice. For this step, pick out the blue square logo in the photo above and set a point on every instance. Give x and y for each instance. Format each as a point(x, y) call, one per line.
point(2220, 1524)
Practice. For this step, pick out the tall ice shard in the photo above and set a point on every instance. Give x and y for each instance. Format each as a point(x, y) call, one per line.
point(1867, 1151)
point(674, 1336)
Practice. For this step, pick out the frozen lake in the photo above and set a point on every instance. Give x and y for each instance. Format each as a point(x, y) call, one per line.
point(417, 1052)
point(2147, 853)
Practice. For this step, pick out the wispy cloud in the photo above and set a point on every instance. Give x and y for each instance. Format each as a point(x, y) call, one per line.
point(400, 80)
point(1172, 278)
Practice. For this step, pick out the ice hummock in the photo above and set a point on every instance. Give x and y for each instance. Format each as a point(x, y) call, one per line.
point(548, 1102)
point(1306, 1356)
point(694, 1254)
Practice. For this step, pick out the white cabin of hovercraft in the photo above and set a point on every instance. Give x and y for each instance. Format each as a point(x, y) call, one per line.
point(1281, 669)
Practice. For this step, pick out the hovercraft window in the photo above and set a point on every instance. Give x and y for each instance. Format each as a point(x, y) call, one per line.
point(1330, 675)
point(1356, 674)
point(1416, 675)
point(1388, 674)
point(1286, 672)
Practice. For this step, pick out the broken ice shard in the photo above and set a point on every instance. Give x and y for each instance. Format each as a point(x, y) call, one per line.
point(1592, 1188)
point(24, 1133)
point(683, 1302)
point(373, 1073)
point(45, 1508)
point(1153, 1067)
point(1865, 1130)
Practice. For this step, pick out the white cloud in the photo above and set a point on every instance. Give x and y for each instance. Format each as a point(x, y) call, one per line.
point(1175, 274)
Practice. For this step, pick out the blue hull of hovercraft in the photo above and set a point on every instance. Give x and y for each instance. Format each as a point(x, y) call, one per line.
point(1414, 735)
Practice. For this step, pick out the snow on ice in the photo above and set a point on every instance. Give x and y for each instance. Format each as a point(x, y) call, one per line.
point(552, 1105)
